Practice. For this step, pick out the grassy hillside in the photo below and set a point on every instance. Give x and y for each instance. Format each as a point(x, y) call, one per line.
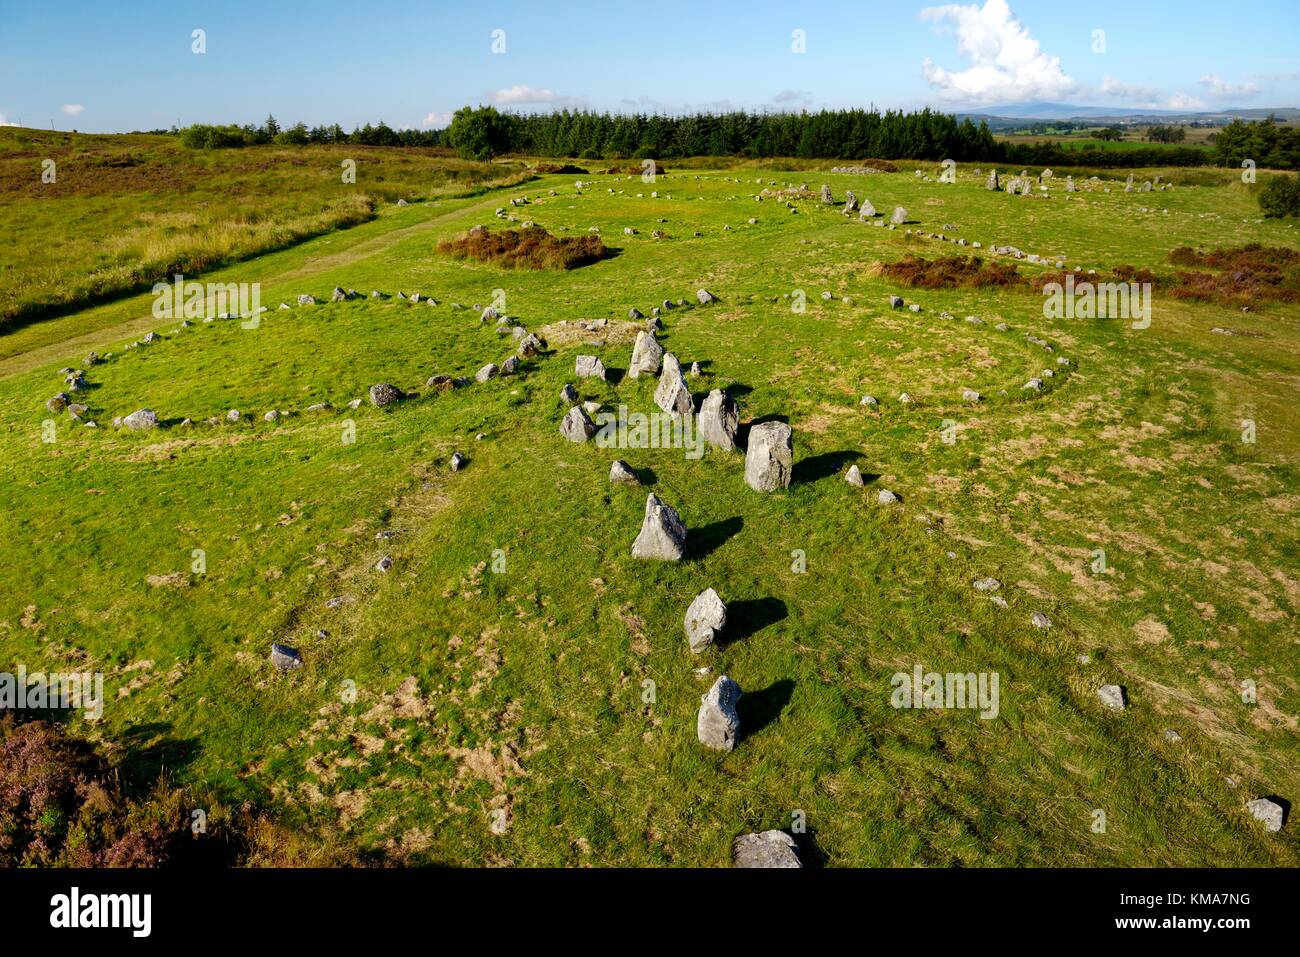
point(124, 212)
point(495, 678)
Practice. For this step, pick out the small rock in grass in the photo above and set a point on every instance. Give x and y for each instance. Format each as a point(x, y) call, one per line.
point(854, 476)
point(987, 584)
point(383, 394)
point(767, 849)
point(141, 419)
point(1267, 812)
point(620, 473)
point(1039, 620)
point(285, 658)
point(886, 497)
point(1112, 696)
point(384, 564)
point(457, 461)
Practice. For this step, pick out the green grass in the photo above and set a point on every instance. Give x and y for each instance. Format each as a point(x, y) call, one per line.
point(529, 683)
point(124, 212)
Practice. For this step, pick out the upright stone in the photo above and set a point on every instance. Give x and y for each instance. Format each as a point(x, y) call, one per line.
point(718, 723)
point(662, 535)
point(827, 198)
point(589, 367)
point(992, 182)
point(647, 356)
point(769, 459)
point(705, 620)
point(899, 217)
point(672, 394)
point(867, 211)
point(719, 420)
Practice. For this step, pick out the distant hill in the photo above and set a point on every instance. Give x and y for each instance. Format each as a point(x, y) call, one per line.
point(1016, 114)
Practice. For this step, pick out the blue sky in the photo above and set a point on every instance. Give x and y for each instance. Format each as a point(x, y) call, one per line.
point(128, 64)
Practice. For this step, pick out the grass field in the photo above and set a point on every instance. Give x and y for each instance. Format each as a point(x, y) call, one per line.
point(517, 689)
point(118, 213)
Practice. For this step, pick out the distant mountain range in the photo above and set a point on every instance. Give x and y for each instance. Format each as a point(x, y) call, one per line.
point(1018, 113)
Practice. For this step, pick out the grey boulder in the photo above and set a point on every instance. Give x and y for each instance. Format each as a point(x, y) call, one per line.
point(662, 535)
point(705, 620)
point(719, 420)
point(769, 459)
point(768, 849)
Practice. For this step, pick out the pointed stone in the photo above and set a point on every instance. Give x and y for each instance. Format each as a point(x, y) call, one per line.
point(672, 394)
point(854, 476)
point(662, 535)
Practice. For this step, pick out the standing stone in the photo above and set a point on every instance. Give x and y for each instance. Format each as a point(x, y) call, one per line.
point(867, 211)
point(827, 198)
point(577, 425)
point(769, 460)
point(719, 420)
point(620, 473)
point(854, 476)
point(589, 367)
point(1069, 184)
point(850, 203)
point(718, 724)
point(647, 355)
point(569, 394)
point(384, 394)
point(992, 182)
point(662, 534)
point(704, 297)
point(672, 394)
point(489, 371)
point(768, 849)
point(1270, 813)
point(705, 620)
point(899, 217)
point(338, 295)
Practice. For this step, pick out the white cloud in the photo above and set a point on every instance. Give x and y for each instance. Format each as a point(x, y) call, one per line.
point(73, 109)
point(521, 93)
point(1220, 87)
point(1144, 97)
point(437, 119)
point(1127, 91)
point(1184, 101)
point(791, 96)
point(1006, 63)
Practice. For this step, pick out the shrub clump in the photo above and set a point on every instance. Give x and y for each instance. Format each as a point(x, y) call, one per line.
point(567, 169)
point(964, 271)
point(529, 248)
point(1245, 274)
point(1280, 197)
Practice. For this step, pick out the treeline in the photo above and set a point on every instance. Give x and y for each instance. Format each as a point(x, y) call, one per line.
point(828, 134)
point(1266, 143)
point(484, 132)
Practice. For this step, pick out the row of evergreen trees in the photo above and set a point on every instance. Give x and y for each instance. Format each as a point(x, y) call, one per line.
point(483, 132)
